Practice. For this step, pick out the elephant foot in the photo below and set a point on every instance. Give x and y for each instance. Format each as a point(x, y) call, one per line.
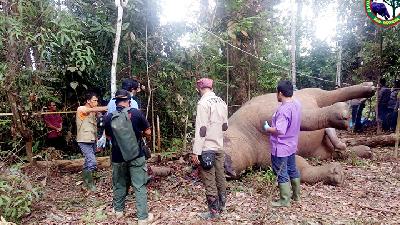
point(362, 151)
point(331, 174)
point(334, 174)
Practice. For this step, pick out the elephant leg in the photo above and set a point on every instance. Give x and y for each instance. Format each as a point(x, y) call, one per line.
point(331, 174)
point(327, 98)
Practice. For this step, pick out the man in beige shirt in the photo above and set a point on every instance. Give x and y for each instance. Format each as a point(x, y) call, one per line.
point(86, 136)
point(211, 122)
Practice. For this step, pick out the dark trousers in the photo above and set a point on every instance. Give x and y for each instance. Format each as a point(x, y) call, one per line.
point(358, 124)
point(354, 109)
point(383, 112)
point(392, 118)
point(58, 143)
point(214, 178)
point(285, 168)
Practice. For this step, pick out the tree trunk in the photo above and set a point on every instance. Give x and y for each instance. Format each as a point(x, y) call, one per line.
point(293, 43)
point(13, 70)
point(119, 4)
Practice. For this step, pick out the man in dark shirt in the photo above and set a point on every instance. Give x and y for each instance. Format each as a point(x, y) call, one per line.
point(134, 171)
point(54, 124)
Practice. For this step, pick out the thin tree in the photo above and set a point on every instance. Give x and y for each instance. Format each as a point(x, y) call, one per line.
point(293, 42)
point(120, 4)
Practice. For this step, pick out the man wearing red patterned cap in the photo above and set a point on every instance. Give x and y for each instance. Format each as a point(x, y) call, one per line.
point(211, 122)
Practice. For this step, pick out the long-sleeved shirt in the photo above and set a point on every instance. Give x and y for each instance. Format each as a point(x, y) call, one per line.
point(54, 120)
point(212, 113)
point(286, 120)
point(111, 106)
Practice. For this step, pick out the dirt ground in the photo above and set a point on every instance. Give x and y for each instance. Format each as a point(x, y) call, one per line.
point(370, 195)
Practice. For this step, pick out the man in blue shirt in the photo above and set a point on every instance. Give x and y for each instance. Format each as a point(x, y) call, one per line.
point(133, 87)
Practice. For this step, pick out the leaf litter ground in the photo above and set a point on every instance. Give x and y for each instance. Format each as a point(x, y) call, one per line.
point(370, 195)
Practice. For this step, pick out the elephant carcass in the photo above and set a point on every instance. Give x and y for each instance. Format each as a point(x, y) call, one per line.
point(246, 145)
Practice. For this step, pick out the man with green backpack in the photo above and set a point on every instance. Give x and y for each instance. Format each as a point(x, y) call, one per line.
point(125, 127)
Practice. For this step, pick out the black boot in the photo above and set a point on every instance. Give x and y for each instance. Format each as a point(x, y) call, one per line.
point(222, 202)
point(213, 208)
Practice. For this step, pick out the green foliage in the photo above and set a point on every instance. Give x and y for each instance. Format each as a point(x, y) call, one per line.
point(16, 196)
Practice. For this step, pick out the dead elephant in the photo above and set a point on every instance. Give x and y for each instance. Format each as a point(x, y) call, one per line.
point(246, 145)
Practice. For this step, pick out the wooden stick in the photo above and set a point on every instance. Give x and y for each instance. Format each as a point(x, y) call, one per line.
point(185, 134)
point(158, 134)
point(152, 122)
point(396, 149)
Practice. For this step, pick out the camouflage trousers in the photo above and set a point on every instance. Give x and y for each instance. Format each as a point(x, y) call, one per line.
point(123, 175)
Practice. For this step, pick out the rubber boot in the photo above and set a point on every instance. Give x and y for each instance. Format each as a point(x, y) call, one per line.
point(213, 208)
point(284, 189)
point(296, 189)
point(88, 180)
point(222, 202)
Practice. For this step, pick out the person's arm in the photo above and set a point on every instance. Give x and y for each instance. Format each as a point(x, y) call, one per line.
point(94, 109)
point(200, 132)
point(281, 125)
point(144, 125)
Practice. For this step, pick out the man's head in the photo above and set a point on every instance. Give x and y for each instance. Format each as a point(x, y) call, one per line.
point(122, 98)
point(204, 85)
point(91, 99)
point(284, 90)
point(133, 86)
point(52, 106)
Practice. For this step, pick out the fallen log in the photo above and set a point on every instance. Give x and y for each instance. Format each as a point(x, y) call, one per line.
point(371, 141)
point(102, 163)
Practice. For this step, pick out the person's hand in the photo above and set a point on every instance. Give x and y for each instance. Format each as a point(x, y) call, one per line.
point(266, 126)
point(59, 129)
point(195, 159)
point(101, 143)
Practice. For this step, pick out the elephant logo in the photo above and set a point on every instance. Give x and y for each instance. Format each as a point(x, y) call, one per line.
point(385, 13)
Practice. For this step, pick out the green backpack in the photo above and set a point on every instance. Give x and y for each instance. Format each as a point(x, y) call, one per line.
point(122, 129)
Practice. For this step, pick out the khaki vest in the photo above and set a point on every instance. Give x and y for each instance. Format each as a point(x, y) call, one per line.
point(86, 129)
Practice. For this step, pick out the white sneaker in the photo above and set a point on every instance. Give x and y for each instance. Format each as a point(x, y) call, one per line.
point(117, 214)
point(149, 219)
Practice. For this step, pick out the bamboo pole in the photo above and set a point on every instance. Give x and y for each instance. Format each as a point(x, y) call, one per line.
point(38, 113)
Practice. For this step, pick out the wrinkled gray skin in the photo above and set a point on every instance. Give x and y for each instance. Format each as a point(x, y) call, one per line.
point(247, 145)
